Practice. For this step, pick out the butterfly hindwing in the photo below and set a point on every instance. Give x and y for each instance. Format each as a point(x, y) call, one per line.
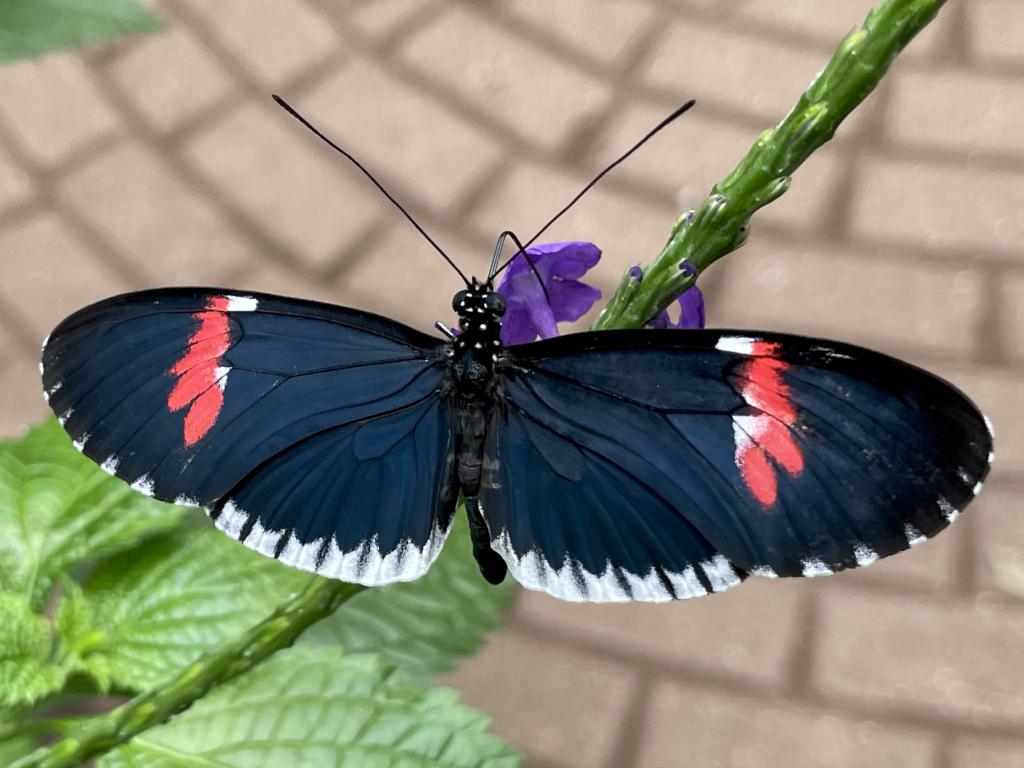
point(650, 465)
point(288, 420)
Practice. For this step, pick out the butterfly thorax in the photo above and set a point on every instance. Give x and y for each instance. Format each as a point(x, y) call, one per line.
point(474, 353)
point(478, 347)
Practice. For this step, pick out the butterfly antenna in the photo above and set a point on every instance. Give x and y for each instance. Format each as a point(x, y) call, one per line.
point(650, 134)
point(522, 249)
point(291, 111)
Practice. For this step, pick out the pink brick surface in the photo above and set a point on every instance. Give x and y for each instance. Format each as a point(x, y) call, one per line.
point(279, 41)
point(166, 95)
point(971, 112)
point(380, 19)
point(511, 79)
point(697, 634)
point(156, 221)
point(606, 35)
point(949, 206)
point(595, 694)
point(15, 183)
point(723, 67)
point(1012, 298)
point(996, 28)
point(691, 726)
point(1001, 529)
point(161, 159)
point(860, 295)
point(388, 135)
point(978, 678)
point(53, 108)
point(982, 753)
point(47, 260)
point(285, 181)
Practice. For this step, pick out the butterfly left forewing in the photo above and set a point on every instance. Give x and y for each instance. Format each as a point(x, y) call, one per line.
point(721, 453)
point(288, 420)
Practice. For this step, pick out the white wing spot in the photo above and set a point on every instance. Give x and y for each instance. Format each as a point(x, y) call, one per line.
point(80, 442)
point(220, 375)
point(186, 501)
point(764, 571)
point(144, 485)
point(242, 303)
point(976, 489)
point(110, 464)
point(571, 581)
point(815, 567)
point(914, 537)
point(720, 573)
point(365, 564)
point(63, 418)
point(741, 345)
point(865, 555)
point(948, 510)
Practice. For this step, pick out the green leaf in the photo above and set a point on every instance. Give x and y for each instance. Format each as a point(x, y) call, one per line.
point(423, 626)
point(159, 606)
point(31, 27)
point(14, 747)
point(26, 674)
point(57, 509)
point(315, 707)
point(79, 636)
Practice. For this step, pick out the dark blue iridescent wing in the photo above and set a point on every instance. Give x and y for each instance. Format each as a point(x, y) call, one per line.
point(316, 434)
point(652, 465)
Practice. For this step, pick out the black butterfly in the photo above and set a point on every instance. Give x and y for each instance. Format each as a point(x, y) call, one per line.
point(612, 466)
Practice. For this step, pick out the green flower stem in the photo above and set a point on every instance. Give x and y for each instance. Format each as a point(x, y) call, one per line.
point(720, 225)
point(320, 598)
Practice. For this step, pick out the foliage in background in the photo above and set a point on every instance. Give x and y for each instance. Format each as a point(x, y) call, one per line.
point(104, 590)
point(32, 27)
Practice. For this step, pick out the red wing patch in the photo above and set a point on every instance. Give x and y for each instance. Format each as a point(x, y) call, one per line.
point(200, 372)
point(765, 433)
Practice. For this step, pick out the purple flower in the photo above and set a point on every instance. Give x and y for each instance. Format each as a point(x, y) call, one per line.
point(691, 303)
point(691, 311)
point(559, 265)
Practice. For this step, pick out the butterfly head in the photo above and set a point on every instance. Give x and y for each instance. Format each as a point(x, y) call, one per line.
point(478, 303)
point(480, 309)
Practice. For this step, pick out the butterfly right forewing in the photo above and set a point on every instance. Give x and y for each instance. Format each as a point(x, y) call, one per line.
point(651, 465)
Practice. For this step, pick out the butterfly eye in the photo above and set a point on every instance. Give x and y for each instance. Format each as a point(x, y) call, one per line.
point(459, 301)
point(495, 304)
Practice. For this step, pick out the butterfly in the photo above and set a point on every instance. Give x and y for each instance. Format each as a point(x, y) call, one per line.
point(610, 466)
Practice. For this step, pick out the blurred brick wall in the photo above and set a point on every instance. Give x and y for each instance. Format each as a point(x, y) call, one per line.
point(161, 160)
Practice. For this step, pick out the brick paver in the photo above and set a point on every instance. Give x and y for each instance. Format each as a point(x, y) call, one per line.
point(728, 69)
point(135, 199)
point(862, 295)
point(161, 160)
point(166, 96)
point(283, 179)
point(500, 76)
point(52, 108)
point(995, 28)
point(884, 652)
point(691, 726)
